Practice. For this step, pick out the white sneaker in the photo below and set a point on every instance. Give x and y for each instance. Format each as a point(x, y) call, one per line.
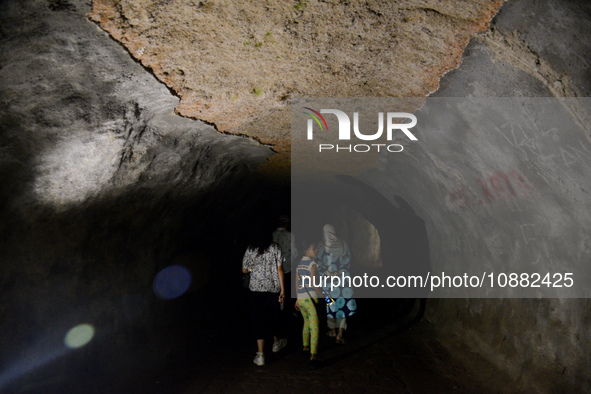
point(259, 359)
point(280, 344)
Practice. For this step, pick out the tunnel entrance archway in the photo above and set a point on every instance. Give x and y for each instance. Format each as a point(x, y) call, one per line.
point(359, 210)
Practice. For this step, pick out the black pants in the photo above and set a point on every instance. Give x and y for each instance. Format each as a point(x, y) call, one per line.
point(264, 314)
point(322, 316)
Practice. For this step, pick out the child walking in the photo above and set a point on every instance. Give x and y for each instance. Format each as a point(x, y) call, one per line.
point(308, 296)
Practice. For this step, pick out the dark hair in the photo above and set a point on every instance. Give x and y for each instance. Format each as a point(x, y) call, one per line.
point(305, 243)
point(283, 220)
point(261, 238)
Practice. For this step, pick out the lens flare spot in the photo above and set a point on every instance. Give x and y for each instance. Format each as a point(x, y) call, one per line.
point(172, 282)
point(79, 336)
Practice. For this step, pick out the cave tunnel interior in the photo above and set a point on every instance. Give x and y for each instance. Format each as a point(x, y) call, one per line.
point(123, 224)
point(109, 263)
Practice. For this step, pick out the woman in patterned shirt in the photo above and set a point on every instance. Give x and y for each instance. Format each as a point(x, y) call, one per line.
point(263, 260)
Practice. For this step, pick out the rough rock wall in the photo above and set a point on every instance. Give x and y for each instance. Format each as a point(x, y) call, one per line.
point(533, 49)
point(102, 186)
point(236, 64)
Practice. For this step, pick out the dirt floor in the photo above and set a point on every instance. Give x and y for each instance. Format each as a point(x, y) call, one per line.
point(386, 360)
point(379, 356)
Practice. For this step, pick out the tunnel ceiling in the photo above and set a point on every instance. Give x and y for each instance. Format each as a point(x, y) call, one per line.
point(237, 64)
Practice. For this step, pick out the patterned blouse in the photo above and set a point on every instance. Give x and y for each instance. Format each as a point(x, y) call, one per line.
point(263, 268)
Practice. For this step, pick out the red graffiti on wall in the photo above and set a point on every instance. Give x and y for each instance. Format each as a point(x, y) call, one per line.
point(497, 187)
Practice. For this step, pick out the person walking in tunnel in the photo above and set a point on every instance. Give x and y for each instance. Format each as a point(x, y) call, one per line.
point(286, 241)
point(307, 300)
point(263, 259)
point(335, 260)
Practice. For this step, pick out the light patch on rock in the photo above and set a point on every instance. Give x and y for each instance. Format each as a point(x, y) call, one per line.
point(77, 168)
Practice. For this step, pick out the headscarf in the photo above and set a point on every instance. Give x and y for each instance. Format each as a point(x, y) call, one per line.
point(333, 244)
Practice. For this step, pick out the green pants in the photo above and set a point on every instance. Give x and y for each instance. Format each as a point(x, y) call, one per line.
point(310, 324)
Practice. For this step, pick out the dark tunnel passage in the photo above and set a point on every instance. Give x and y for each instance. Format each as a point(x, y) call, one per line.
point(400, 244)
point(100, 266)
point(123, 225)
point(105, 274)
